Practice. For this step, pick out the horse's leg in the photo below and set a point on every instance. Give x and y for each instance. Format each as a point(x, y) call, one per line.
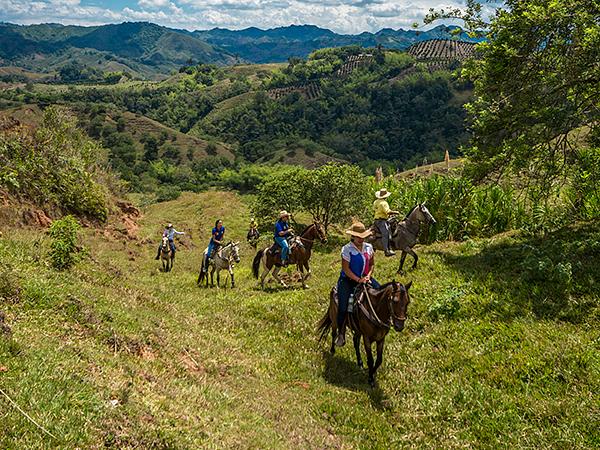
point(232, 280)
point(356, 340)
point(218, 278)
point(212, 276)
point(379, 356)
point(266, 271)
point(308, 272)
point(275, 274)
point(402, 258)
point(412, 253)
point(302, 276)
point(369, 353)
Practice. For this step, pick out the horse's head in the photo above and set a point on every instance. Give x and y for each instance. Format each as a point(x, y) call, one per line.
point(165, 243)
point(234, 252)
point(425, 215)
point(321, 233)
point(399, 304)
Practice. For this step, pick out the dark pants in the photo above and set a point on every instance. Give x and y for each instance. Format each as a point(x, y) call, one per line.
point(346, 287)
point(171, 244)
point(384, 228)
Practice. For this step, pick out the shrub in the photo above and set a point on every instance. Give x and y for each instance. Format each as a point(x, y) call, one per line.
point(64, 242)
point(167, 193)
point(447, 305)
point(56, 164)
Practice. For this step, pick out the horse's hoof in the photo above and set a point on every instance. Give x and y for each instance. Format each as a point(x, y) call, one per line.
point(372, 383)
point(332, 351)
point(360, 365)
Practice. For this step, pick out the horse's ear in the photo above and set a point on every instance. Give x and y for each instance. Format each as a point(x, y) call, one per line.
point(408, 285)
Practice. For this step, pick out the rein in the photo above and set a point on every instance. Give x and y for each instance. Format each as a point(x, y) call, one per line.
point(375, 318)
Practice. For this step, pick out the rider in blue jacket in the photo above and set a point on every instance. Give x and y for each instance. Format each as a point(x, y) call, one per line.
point(218, 232)
point(282, 232)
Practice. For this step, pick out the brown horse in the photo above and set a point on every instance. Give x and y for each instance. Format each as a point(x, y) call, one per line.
point(375, 311)
point(300, 252)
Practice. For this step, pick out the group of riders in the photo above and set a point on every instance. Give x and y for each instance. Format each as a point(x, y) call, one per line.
point(358, 260)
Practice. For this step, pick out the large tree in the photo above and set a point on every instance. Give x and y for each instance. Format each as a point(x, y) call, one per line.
point(537, 86)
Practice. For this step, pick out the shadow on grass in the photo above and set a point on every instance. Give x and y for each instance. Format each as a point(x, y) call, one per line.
point(345, 373)
point(553, 277)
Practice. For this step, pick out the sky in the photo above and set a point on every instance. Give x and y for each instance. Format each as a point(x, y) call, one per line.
point(341, 16)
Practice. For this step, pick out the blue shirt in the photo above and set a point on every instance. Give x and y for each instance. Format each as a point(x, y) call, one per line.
point(218, 234)
point(280, 226)
point(360, 262)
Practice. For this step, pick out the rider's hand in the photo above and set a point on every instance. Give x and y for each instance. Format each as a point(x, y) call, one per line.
point(363, 280)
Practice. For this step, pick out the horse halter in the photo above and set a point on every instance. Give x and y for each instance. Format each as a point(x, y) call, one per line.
point(390, 301)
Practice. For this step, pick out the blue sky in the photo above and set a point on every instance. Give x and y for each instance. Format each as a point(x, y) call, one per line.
point(342, 16)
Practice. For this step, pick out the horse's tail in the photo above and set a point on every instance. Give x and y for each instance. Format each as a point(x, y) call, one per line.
point(324, 325)
point(256, 263)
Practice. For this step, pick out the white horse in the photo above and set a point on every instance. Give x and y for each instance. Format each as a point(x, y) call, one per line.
point(224, 259)
point(166, 255)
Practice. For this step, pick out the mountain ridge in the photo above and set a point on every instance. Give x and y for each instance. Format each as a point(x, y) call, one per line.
point(152, 50)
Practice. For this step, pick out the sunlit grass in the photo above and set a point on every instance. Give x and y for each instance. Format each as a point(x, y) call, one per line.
point(116, 353)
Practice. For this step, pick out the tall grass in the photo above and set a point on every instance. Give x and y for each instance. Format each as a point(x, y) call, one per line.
point(461, 209)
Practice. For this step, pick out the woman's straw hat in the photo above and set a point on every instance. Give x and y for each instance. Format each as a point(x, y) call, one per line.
point(170, 225)
point(358, 230)
point(283, 213)
point(382, 193)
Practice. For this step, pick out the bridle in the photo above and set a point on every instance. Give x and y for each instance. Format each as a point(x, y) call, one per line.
point(313, 225)
point(390, 301)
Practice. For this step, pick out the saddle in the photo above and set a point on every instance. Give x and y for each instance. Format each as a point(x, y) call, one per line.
point(294, 242)
point(358, 304)
point(376, 234)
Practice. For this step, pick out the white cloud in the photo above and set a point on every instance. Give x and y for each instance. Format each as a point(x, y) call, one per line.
point(153, 3)
point(342, 16)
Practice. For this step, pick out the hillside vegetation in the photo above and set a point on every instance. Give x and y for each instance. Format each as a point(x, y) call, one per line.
point(366, 110)
point(117, 354)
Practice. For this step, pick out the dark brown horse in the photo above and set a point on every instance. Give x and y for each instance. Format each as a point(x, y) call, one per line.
point(300, 252)
point(375, 311)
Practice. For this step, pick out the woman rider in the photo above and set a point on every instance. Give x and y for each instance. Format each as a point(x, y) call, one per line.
point(215, 241)
point(282, 232)
point(357, 267)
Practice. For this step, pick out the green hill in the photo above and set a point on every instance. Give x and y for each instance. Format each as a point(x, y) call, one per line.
point(116, 354)
point(143, 49)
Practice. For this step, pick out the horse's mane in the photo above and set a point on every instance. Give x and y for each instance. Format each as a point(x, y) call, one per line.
point(411, 211)
point(312, 225)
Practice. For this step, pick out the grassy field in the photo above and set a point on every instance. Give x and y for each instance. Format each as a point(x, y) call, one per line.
point(501, 348)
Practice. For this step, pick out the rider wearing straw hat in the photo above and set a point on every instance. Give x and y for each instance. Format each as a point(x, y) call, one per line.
point(382, 214)
point(282, 233)
point(357, 267)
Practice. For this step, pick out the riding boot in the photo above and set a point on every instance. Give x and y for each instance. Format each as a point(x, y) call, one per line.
point(341, 336)
point(389, 252)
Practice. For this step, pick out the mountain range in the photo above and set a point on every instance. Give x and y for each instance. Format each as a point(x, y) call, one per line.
point(148, 50)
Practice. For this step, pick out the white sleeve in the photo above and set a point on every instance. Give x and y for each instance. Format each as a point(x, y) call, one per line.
point(370, 250)
point(346, 253)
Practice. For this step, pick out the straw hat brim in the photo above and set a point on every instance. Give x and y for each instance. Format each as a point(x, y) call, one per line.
point(386, 195)
point(362, 235)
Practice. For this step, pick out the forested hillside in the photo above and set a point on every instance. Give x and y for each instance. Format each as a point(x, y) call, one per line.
point(368, 106)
